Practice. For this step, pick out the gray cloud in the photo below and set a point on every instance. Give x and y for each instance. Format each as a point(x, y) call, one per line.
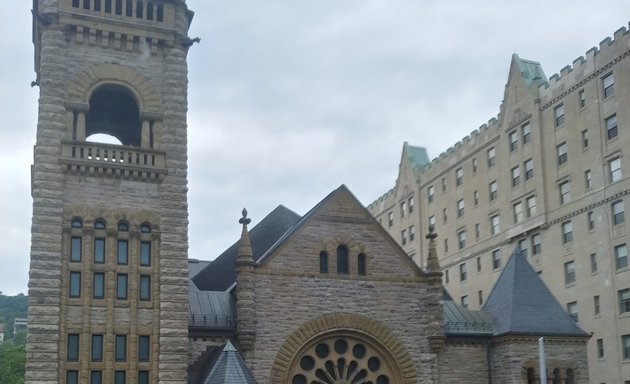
point(288, 100)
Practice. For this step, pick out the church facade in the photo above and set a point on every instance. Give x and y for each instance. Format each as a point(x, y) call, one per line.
point(329, 297)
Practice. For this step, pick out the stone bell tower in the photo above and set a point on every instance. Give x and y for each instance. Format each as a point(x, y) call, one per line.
point(108, 274)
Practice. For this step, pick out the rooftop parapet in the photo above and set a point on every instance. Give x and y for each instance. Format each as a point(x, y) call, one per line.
point(596, 59)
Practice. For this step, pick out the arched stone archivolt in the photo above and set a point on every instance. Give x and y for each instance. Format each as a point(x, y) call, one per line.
point(393, 363)
point(80, 90)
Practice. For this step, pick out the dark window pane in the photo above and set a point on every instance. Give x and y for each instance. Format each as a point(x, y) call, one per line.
point(73, 347)
point(121, 287)
point(76, 223)
point(120, 377)
point(123, 249)
point(362, 264)
point(98, 285)
point(145, 287)
point(99, 224)
point(145, 228)
point(75, 284)
point(99, 250)
point(75, 249)
point(97, 347)
point(121, 347)
point(323, 262)
point(143, 377)
point(145, 253)
point(96, 377)
point(72, 377)
point(123, 226)
point(342, 260)
point(143, 348)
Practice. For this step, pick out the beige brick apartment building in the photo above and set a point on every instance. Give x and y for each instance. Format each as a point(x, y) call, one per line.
point(328, 297)
point(547, 176)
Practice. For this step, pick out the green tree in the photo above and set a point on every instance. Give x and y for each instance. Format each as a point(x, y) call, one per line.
point(10, 308)
point(12, 363)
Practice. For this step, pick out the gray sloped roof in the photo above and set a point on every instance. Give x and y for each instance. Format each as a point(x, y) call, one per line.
point(521, 303)
point(210, 309)
point(459, 320)
point(228, 368)
point(220, 274)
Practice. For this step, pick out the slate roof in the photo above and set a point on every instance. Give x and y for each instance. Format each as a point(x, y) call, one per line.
point(521, 303)
point(460, 321)
point(220, 274)
point(210, 309)
point(228, 367)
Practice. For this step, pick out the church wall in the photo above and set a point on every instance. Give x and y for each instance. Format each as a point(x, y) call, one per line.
point(458, 360)
point(290, 291)
point(510, 358)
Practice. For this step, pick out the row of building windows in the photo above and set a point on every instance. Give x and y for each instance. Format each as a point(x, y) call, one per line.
point(625, 348)
point(151, 11)
point(99, 286)
point(620, 254)
point(96, 377)
point(623, 299)
point(97, 347)
point(608, 88)
point(99, 251)
point(343, 267)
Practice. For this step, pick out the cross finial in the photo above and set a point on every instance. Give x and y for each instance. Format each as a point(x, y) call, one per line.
point(244, 220)
point(431, 235)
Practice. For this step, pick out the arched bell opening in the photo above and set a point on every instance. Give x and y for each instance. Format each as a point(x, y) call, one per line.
point(114, 111)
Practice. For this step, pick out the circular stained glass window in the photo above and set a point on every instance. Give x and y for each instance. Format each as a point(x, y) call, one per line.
point(341, 360)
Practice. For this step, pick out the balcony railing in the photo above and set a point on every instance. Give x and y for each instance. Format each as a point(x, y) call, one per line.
point(97, 159)
point(210, 321)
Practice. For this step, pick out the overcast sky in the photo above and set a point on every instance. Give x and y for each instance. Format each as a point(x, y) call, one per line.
point(290, 99)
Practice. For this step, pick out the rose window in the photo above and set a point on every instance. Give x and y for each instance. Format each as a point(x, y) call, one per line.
point(341, 360)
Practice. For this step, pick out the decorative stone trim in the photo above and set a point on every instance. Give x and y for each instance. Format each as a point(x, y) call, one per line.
point(85, 83)
point(341, 323)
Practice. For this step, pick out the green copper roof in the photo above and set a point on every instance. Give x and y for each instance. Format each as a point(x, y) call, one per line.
point(531, 71)
point(417, 156)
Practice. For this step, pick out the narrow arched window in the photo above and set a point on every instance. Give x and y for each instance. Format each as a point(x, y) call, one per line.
point(149, 10)
point(342, 260)
point(123, 226)
point(570, 379)
point(531, 376)
point(556, 376)
point(76, 223)
point(323, 262)
point(108, 6)
point(75, 3)
point(139, 9)
point(119, 7)
point(99, 224)
point(97, 5)
point(145, 228)
point(361, 264)
point(160, 12)
point(86, 4)
point(129, 8)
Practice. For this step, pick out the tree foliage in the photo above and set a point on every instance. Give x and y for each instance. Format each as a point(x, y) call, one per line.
point(10, 308)
point(12, 363)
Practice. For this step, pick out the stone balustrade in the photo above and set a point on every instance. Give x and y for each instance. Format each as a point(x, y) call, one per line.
point(108, 160)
